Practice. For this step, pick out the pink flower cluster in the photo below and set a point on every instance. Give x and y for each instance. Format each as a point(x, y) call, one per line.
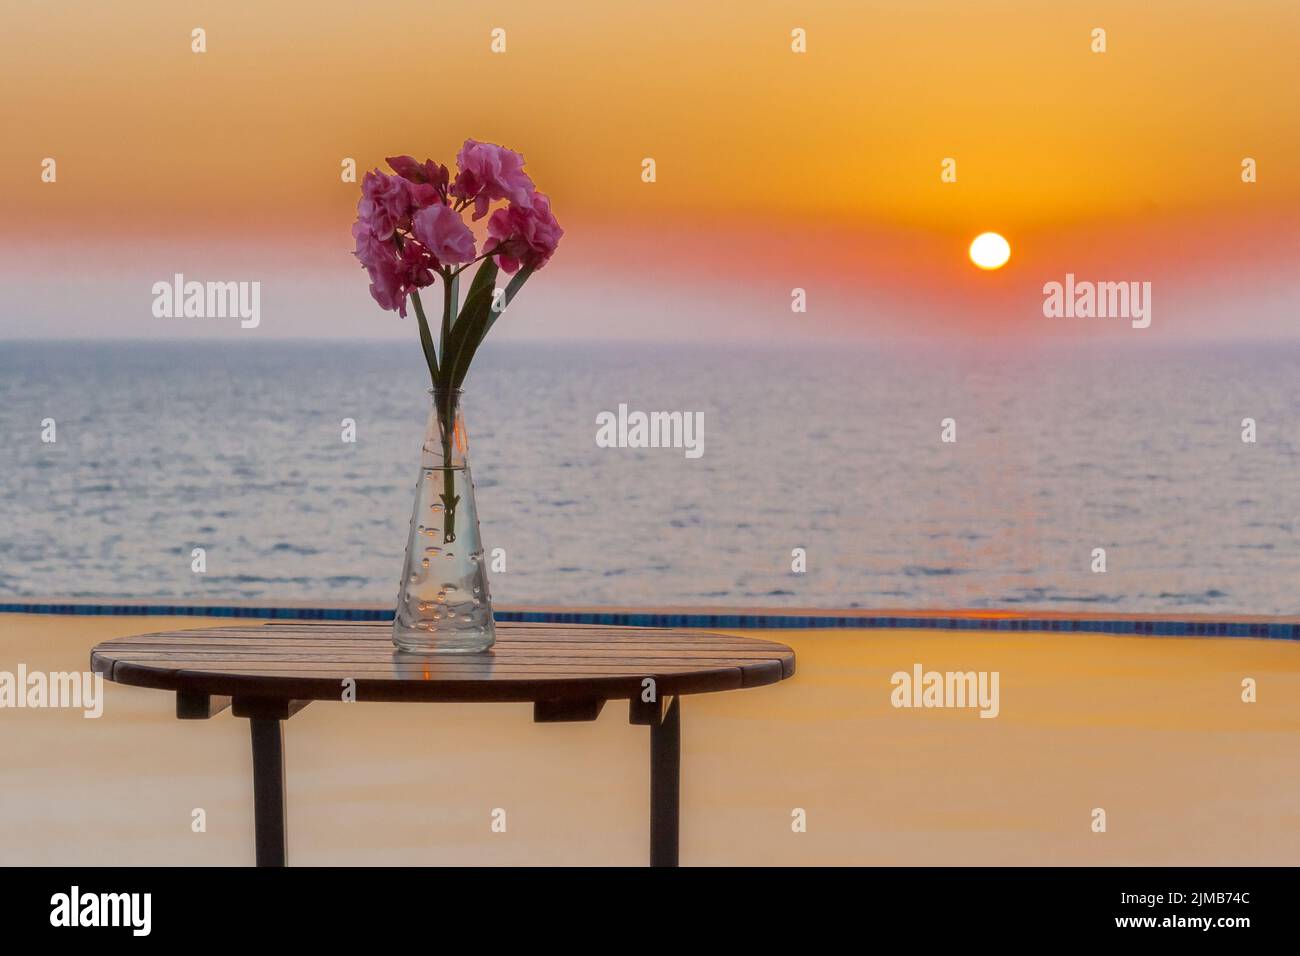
point(410, 225)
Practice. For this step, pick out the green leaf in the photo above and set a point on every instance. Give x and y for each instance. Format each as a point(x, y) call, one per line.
point(470, 328)
point(450, 300)
point(462, 368)
point(426, 339)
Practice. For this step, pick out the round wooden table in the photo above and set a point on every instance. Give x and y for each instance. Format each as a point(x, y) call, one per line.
point(267, 673)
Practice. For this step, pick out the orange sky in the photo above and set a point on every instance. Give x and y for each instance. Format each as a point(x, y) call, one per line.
point(774, 169)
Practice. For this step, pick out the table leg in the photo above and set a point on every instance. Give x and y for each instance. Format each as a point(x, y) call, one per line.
point(665, 784)
point(268, 791)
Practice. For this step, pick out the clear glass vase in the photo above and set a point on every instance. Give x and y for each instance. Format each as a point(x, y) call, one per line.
point(443, 605)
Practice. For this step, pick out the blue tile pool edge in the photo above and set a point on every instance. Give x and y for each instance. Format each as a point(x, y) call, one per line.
point(1275, 630)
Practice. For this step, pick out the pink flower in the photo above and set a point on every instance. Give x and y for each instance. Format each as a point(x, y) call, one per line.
point(524, 235)
point(417, 265)
point(392, 274)
point(370, 251)
point(427, 172)
point(392, 282)
point(488, 173)
point(424, 194)
point(425, 182)
point(386, 287)
point(444, 233)
point(410, 226)
point(385, 203)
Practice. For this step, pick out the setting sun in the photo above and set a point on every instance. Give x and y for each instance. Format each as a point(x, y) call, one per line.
point(990, 251)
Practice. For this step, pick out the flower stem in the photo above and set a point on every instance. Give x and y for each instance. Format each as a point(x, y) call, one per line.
point(449, 304)
point(445, 402)
point(444, 399)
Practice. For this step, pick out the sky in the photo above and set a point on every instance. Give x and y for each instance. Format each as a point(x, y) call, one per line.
point(775, 170)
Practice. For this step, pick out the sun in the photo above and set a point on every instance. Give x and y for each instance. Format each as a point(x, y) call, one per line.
point(990, 251)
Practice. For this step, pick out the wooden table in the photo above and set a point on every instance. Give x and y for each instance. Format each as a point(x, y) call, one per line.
point(268, 673)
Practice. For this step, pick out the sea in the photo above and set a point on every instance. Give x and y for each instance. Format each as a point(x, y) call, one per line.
point(1097, 477)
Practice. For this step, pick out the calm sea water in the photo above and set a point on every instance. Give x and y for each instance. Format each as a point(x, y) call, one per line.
point(162, 448)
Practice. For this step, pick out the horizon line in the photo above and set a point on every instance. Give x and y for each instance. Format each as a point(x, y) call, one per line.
point(767, 342)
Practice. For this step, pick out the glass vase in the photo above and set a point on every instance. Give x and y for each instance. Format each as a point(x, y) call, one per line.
point(443, 605)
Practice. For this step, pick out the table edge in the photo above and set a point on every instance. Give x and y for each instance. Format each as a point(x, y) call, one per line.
point(761, 672)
